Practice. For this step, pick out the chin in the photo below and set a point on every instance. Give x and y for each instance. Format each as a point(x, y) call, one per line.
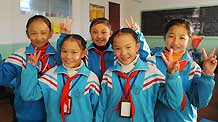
point(125, 62)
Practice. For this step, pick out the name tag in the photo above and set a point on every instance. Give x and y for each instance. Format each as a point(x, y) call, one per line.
point(67, 108)
point(125, 109)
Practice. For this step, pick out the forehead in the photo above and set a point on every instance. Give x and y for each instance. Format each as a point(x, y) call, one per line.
point(71, 44)
point(123, 39)
point(100, 26)
point(180, 29)
point(38, 24)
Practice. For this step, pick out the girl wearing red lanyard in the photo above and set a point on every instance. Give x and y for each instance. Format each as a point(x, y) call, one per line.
point(130, 88)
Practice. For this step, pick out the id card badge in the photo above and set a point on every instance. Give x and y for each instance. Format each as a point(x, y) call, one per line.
point(125, 109)
point(67, 108)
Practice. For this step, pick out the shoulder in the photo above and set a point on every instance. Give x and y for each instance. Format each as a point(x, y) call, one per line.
point(50, 78)
point(93, 77)
point(151, 60)
point(18, 57)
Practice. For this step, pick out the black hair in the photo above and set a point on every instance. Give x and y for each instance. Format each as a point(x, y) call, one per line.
point(38, 17)
point(179, 21)
point(123, 30)
point(76, 37)
point(99, 21)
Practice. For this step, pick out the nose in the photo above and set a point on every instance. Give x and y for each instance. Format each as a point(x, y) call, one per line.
point(123, 52)
point(176, 40)
point(99, 35)
point(38, 36)
point(68, 55)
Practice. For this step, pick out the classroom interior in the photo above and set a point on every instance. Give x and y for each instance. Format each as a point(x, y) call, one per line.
point(13, 33)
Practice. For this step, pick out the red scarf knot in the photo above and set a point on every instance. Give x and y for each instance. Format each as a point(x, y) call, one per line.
point(101, 53)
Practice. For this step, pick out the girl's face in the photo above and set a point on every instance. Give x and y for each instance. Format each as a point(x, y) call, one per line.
point(177, 38)
point(72, 53)
point(39, 33)
point(100, 34)
point(125, 48)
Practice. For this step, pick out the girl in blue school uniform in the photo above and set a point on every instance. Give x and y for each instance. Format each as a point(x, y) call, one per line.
point(130, 88)
point(38, 30)
point(197, 84)
point(70, 90)
point(100, 53)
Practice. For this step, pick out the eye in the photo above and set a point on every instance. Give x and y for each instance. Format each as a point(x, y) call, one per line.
point(170, 36)
point(74, 52)
point(33, 33)
point(104, 32)
point(93, 32)
point(117, 48)
point(128, 47)
point(63, 51)
point(182, 38)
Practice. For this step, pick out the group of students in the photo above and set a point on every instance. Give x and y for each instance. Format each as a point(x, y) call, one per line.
point(113, 80)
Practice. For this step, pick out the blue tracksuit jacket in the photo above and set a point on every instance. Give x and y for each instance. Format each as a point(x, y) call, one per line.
point(149, 86)
point(84, 94)
point(31, 111)
point(93, 59)
point(197, 88)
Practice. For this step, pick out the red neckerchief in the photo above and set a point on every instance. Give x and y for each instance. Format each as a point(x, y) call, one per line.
point(65, 92)
point(43, 58)
point(101, 53)
point(126, 89)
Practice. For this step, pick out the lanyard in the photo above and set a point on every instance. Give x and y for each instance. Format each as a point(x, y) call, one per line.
point(73, 79)
point(122, 87)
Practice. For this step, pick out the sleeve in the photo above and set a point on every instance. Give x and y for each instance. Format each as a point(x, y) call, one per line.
point(144, 50)
point(201, 90)
point(171, 93)
point(103, 98)
point(58, 47)
point(94, 92)
point(30, 88)
point(0, 58)
point(8, 72)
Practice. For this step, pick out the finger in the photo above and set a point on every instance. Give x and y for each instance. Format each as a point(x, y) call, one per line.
point(34, 53)
point(132, 21)
point(171, 55)
point(204, 54)
point(164, 58)
point(127, 23)
point(212, 53)
point(38, 55)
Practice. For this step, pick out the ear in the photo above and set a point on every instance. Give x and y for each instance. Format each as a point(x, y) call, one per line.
point(137, 47)
point(111, 32)
point(51, 33)
point(189, 41)
point(27, 34)
point(84, 52)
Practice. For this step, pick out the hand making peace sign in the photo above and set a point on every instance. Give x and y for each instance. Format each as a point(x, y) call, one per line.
point(33, 58)
point(66, 26)
point(210, 62)
point(172, 66)
point(133, 25)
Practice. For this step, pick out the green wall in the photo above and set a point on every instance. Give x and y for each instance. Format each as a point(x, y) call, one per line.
point(153, 41)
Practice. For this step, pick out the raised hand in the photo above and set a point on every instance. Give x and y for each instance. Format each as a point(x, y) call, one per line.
point(66, 26)
point(210, 62)
point(133, 25)
point(33, 58)
point(172, 66)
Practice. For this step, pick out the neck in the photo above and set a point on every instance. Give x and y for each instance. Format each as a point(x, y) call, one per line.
point(72, 71)
point(102, 47)
point(126, 68)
